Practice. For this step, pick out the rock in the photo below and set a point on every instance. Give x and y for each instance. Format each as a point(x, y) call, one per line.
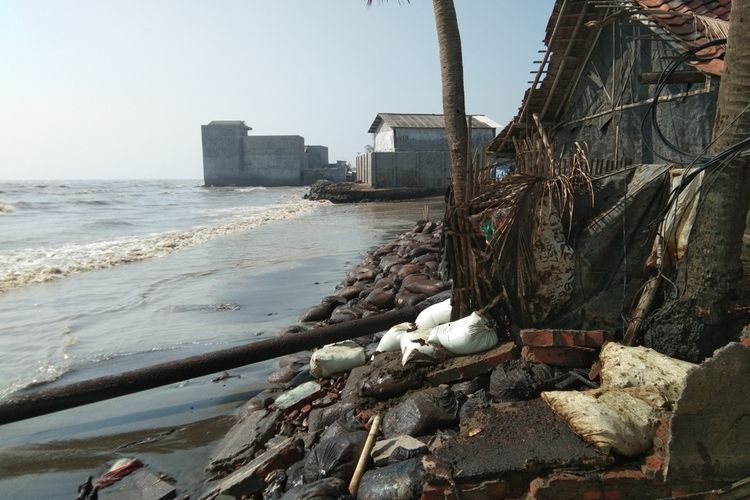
point(320, 418)
point(141, 485)
point(251, 477)
point(275, 480)
point(421, 413)
point(297, 397)
point(302, 377)
point(244, 439)
point(390, 451)
point(284, 374)
point(709, 426)
point(400, 481)
point(389, 383)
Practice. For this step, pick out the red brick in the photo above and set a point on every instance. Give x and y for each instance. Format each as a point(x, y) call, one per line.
point(573, 357)
point(745, 341)
point(613, 495)
point(464, 367)
point(623, 475)
point(592, 495)
point(563, 338)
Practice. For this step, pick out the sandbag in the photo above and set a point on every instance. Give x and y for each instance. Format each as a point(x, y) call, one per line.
point(336, 358)
point(465, 336)
point(399, 481)
point(422, 412)
point(640, 366)
point(617, 419)
point(334, 457)
point(435, 315)
point(414, 345)
point(391, 341)
point(330, 488)
point(521, 380)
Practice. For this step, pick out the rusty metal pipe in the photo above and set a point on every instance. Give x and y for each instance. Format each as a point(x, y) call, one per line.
point(90, 391)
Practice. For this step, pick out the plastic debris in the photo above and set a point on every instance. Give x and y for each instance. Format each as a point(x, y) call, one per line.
point(334, 457)
point(119, 469)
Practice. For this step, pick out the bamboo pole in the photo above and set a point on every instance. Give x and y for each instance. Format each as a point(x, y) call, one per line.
point(362, 463)
point(56, 399)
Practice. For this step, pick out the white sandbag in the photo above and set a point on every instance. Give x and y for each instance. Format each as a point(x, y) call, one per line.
point(464, 336)
point(391, 341)
point(624, 366)
point(414, 343)
point(436, 314)
point(611, 418)
point(336, 358)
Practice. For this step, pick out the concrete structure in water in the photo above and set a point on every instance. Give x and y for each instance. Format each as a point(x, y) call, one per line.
point(231, 157)
point(411, 150)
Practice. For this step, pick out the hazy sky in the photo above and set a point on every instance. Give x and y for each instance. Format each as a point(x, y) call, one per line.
point(119, 88)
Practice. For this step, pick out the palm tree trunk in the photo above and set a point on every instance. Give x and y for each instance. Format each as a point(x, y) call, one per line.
point(454, 109)
point(712, 269)
point(458, 250)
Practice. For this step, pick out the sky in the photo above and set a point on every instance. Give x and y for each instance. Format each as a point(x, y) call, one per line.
point(113, 89)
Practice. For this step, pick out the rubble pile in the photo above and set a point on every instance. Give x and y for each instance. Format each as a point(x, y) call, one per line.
point(460, 410)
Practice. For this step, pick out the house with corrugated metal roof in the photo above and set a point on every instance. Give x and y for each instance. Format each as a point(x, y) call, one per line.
point(411, 150)
point(602, 68)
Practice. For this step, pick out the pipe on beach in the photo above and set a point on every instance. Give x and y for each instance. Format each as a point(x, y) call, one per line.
point(56, 399)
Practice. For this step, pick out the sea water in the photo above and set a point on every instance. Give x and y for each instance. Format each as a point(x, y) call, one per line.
point(101, 277)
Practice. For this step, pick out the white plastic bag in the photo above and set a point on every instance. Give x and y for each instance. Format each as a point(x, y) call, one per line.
point(436, 314)
point(464, 336)
point(415, 343)
point(336, 358)
point(391, 341)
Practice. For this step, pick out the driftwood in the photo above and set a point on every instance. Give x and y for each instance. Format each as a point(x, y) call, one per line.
point(364, 456)
point(47, 401)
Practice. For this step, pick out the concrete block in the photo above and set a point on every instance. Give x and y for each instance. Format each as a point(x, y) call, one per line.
point(709, 427)
point(389, 451)
point(296, 398)
point(244, 439)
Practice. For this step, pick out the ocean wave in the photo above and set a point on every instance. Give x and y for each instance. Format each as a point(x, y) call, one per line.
point(45, 373)
point(6, 208)
point(249, 189)
point(28, 266)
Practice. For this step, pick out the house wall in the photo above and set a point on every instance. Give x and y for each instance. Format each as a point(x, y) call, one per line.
point(317, 156)
point(434, 139)
point(274, 160)
point(430, 169)
point(223, 154)
point(383, 140)
point(588, 117)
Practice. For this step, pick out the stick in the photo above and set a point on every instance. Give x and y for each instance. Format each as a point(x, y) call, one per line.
point(640, 311)
point(362, 464)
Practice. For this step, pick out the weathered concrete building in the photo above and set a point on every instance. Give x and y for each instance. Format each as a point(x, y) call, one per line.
point(231, 157)
point(411, 150)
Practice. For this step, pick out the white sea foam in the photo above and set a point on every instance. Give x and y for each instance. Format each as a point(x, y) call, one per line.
point(6, 208)
point(23, 267)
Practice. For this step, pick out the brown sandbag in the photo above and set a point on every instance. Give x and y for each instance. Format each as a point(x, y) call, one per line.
point(381, 298)
point(323, 310)
point(405, 298)
point(407, 269)
point(349, 292)
point(427, 287)
point(414, 278)
point(424, 250)
point(422, 259)
point(345, 313)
